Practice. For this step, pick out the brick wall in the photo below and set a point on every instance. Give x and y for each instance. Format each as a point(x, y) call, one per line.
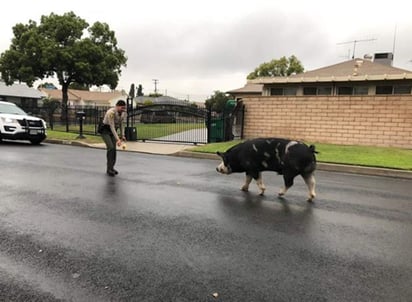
point(348, 120)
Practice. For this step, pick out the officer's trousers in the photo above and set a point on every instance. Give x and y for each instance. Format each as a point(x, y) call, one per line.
point(110, 142)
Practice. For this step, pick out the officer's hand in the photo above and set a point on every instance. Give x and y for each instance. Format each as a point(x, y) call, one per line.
point(119, 142)
point(123, 138)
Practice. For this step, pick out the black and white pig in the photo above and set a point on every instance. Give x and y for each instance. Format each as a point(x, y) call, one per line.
point(286, 157)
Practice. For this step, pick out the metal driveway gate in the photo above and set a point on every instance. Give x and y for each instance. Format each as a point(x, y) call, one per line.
point(169, 123)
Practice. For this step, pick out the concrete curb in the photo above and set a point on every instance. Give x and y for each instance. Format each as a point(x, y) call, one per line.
point(321, 166)
point(66, 142)
point(197, 155)
point(365, 170)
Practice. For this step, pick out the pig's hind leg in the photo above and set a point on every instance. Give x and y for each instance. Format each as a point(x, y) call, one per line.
point(310, 182)
point(260, 184)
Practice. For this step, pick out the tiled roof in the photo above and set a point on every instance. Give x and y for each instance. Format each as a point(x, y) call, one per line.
point(56, 94)
point(248, 88)
point(19, 90)
point(96, 96)
point(164, 99)
point(352, 70)
point(84, 95)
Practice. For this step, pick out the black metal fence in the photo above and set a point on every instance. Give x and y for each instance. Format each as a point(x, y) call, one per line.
point(158, 122)
point(56, 119)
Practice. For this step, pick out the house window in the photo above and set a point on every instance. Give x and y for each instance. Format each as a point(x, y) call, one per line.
point(360, 90)
point(309, 90)
point(290, 91)
point(404, 89)
point(283, 91)
point(384, 89)
point(324, 90)
point(317, 90)
point(276, 91)
point(345, 90)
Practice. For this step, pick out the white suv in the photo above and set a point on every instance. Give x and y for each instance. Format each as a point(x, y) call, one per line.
point(17, 125)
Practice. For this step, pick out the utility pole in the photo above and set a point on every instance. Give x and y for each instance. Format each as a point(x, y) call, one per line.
point(155, 83)
point(354, 44)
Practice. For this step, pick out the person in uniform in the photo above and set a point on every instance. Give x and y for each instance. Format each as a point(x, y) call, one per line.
point(112, 123)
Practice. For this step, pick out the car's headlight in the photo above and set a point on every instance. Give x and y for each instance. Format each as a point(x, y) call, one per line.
point(9, 120)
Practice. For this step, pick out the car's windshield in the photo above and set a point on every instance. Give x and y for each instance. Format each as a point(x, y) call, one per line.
point(11, 109)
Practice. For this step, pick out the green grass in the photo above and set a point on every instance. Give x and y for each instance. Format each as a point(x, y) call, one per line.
point(393, 158)
point(144, 131)
point(60, 135)
point(62, 128)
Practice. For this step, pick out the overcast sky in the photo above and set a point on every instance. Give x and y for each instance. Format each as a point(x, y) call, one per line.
point(194, 48)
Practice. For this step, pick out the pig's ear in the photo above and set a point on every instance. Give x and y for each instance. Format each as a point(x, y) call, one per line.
point(220, 154)
point(312, 148)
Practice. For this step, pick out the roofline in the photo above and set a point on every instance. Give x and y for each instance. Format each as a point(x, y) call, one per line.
point(350, 78)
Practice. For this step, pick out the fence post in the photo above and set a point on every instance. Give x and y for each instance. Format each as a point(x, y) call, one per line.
point(208, 123)
point(243, 121)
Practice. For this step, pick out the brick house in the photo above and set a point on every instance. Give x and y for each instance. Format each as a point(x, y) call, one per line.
point(356, 102)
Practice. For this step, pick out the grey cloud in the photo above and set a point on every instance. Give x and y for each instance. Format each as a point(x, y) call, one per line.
point(213, 48)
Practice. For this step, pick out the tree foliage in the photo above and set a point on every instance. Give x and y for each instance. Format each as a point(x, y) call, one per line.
point(217, 101)
point(140, 90)
point(66, 47)
point(132, 91)
point(275, 68)
point(51, 106)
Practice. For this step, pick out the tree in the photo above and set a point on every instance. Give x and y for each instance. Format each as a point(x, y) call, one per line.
point(58, 47)
point(132, 91)
point(140, 90)
point(217, 101)
point(275, 68)
point(50, 106)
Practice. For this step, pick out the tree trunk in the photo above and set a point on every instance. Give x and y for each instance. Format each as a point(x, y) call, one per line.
point(65, 109)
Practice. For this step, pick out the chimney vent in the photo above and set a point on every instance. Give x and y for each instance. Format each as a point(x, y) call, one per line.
point(385, 58)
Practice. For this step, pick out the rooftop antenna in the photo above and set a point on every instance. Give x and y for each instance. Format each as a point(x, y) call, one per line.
point(394, 41)
point(354, 44)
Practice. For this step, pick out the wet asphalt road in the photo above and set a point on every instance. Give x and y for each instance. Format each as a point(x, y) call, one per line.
point(172, 229)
